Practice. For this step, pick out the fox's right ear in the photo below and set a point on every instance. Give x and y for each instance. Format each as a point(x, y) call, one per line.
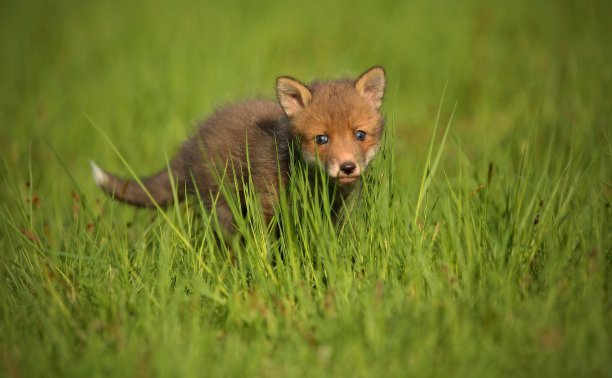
point(371, 85)
point(293, 96)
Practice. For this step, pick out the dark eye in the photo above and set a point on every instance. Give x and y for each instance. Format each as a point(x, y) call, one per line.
point(321, 139)
point(360, 135)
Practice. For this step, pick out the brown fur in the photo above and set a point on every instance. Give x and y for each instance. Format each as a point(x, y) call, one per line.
point(336, 109)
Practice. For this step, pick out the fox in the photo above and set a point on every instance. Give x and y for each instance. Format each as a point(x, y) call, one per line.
point(333, 126)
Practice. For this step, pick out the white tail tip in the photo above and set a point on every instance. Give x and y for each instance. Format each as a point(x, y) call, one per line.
point(98, 174)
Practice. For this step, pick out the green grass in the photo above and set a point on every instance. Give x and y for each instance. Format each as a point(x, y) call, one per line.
point(486, 251)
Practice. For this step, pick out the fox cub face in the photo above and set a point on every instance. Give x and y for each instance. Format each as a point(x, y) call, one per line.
point(338, 123)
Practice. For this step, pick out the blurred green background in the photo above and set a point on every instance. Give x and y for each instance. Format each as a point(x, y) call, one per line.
point(146, 72)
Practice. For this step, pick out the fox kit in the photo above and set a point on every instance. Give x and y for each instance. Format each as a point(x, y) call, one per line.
point(336, 125)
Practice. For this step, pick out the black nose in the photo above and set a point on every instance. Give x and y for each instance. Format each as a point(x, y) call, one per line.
point(348, 167)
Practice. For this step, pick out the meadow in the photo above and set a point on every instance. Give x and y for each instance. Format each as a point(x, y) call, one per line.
point(482, 245)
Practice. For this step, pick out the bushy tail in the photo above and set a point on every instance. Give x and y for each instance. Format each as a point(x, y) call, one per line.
point(159, 187)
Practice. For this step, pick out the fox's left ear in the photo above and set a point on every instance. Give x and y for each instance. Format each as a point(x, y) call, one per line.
point(371, 85)
point(292, 95)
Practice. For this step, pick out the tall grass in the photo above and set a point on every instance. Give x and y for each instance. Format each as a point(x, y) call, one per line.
point(479, 245)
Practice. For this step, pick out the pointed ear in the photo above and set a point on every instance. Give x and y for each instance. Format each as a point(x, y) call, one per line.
point(293, 96)
point(371, 85)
